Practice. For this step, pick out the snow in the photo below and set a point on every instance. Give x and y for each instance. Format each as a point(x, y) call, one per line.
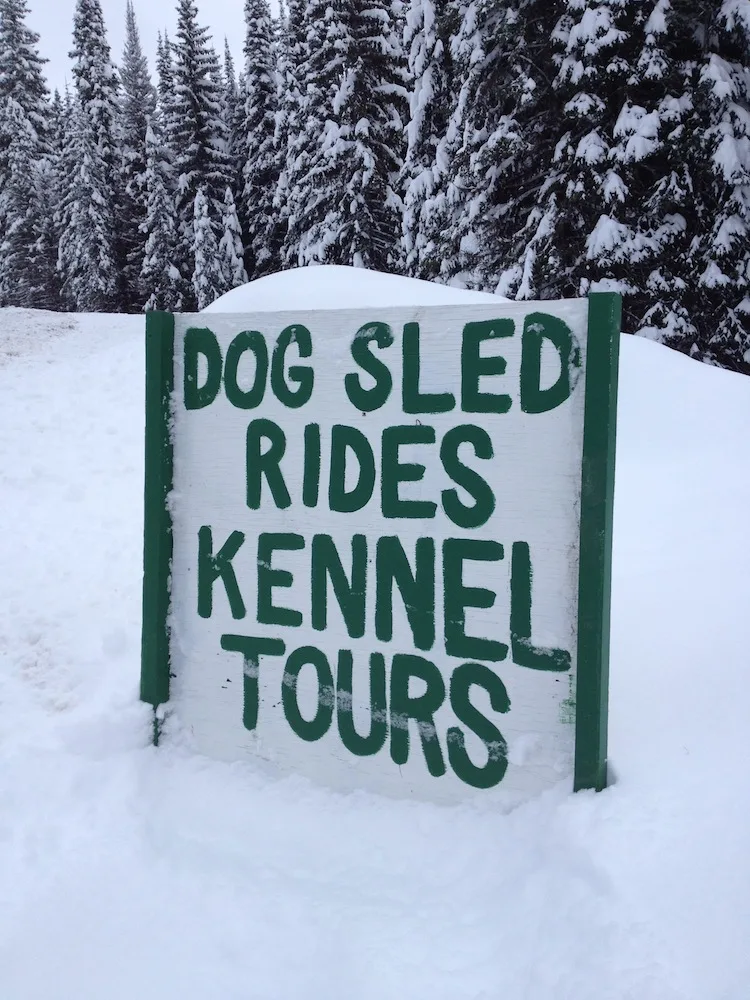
point(128, 871)
point(324, 286)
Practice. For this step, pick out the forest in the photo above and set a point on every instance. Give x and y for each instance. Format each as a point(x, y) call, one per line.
point(539, 149)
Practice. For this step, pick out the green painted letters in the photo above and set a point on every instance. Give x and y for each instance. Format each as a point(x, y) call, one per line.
point(413, 400)
point(524, 652)
point(326, 564)
point(268, 577)
point(301, 374)
point(537, 328)
point(344, 437)
point(311, 475)
point(477, 487)
point(317, 727)
point(248, 340)
point(420, 708)
point(458, 598)
point(361, 746)
point(417, 589)
point(473, 366)
point(393, 472)
point(462, 680)
point(268, 464)
point(200, 341)
point(212, 567)
point(252, 648)
point(367, 400)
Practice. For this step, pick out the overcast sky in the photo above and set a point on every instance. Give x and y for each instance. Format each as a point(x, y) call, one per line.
point(53, 19)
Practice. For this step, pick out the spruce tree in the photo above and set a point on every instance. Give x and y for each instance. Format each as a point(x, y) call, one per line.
point(292, 54)
point(21, 66)
point(260, 155)
point(720, 249)
point(233, 116)
point(230, 246)
point(208, 281)
point(87, 261)
point(430, 28)
point(23, 92)
point(651, 141)
point(161, 281)
point(138, 102)
point(27, 248)
point(201, 160)
point(347, 207)
point(165, 91)
point(91, 257)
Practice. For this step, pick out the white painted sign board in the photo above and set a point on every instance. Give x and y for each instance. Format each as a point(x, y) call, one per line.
point(377, 551)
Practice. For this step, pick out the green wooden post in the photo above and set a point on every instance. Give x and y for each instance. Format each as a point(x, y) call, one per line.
point(595, 566)
point(157, 528)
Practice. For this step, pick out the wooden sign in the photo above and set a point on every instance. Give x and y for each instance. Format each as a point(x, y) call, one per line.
point(377, 543)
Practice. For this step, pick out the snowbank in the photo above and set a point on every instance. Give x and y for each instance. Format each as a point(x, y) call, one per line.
point(130, 872)
point(333, 286)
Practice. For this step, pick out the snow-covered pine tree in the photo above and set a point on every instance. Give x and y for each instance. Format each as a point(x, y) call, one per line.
point(430, 28)
point(138, 102)
point(581, 216)
point(292, 54)
point(86, 260)
point(21, 66)
point(27, 247)
point(230, 246)
point(165, 93)
point(23, 92)
point(328, 45)
point(207, 278)
point(201, 159)
point(162, 283)
point(495, 154)
point(91, 257)
point(63, 167)
point(347, 202)
point(720, 249)
point(233, 115)
point(650, 148)
point(260, 155)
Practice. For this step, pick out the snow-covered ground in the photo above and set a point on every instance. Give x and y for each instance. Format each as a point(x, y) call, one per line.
point(130, 873)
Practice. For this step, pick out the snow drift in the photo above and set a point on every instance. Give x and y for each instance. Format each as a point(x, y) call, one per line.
point(332, 286)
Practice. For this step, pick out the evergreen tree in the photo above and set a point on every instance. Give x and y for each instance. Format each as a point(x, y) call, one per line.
point(230, 246)
point(63, 168)
point(260, 155)
point(27, 248)
point(21, 66)
point(207, 279)
point(91, 254)
point(138, 103)
point(292, 53)
point(233, 116)
point(720, 249)
point(165, 90)
point(431, 26)
point(323, 59)
point(651, 139)
point(87, 259)
point(201, 160)
point(347, 207)
point(23, 92)
point(162, 283)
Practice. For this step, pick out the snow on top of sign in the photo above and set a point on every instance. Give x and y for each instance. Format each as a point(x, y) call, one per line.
point(334, 286)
